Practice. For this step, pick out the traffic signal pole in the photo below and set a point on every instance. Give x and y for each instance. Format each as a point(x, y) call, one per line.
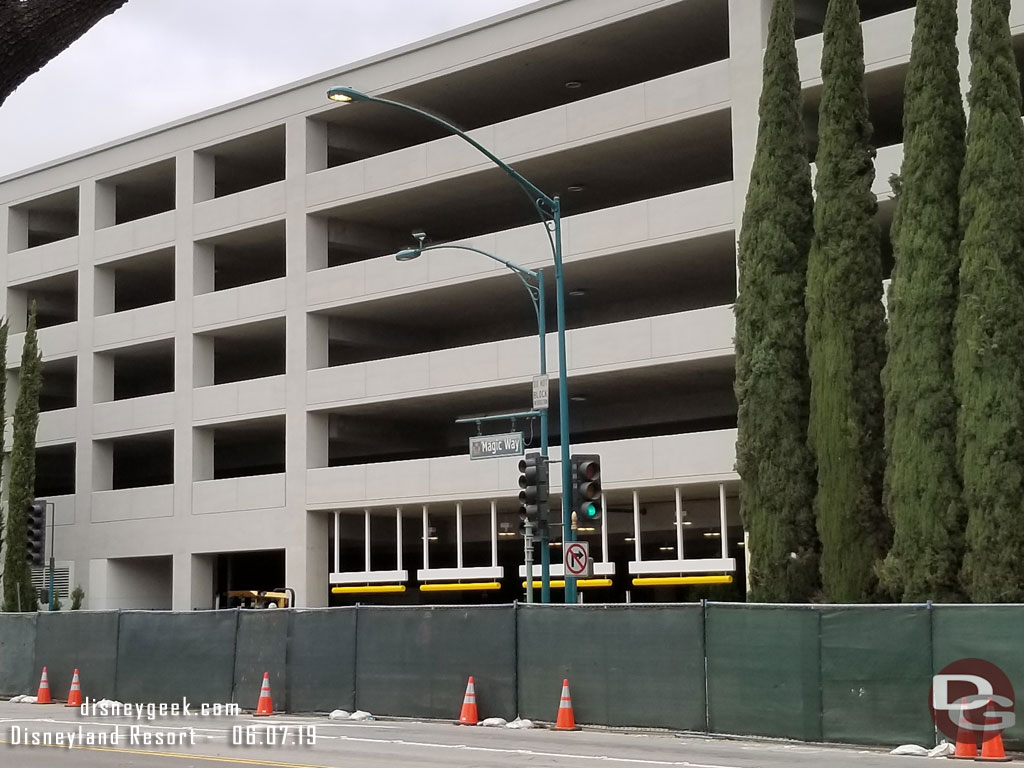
point(545, 535)
point(53, 522)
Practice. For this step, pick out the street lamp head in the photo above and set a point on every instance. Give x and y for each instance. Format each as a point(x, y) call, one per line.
point(408, 254)
point(345, 94)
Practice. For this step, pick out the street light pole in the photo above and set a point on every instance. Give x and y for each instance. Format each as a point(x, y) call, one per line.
point(549, 210)
point(536, 292)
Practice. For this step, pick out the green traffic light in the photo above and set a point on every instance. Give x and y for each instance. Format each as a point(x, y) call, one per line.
point(590, 511)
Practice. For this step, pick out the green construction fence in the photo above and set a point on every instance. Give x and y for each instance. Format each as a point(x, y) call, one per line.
point(847, 674)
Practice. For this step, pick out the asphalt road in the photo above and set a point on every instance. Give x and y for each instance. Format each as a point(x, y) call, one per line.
point(209, 742)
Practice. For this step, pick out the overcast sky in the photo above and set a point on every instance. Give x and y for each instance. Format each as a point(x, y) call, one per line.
point(155, 61)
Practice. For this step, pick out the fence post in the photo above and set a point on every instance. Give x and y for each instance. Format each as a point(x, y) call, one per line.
point(704, 651)
point(355, 658)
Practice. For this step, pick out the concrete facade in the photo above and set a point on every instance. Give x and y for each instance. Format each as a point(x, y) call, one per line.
point(233, 355)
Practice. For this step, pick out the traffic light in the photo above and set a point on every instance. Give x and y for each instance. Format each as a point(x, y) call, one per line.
point(586, 487)
point(533, 484)
point(35, 531)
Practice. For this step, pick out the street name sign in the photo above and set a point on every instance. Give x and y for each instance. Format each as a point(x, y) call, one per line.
point(496, 446)
point(577, 560)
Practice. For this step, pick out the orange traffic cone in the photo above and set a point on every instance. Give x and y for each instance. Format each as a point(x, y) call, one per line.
point(265, 706)
point(75, 694)
point(469, 713)
point(992, 747)
point(565, 721)
point(966, 739)
point(43, 697)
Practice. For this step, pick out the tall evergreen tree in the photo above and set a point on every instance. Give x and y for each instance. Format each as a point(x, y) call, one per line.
point(987, 362)
point(845, 323)
point(21, 491)
point(922, 489)
point(774, 462)
point(3, 408)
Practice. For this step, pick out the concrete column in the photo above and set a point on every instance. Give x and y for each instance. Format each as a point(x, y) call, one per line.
point(202, 175)
point(102, 380)
point(16, 222)
point(748, 30)
point(316, 243)
point(103, 301)
point(185, 592)
point(316, 145)
point(202, 581)
point(202, 455)
point(202, 364)
point(95, 576)
point(17, 311)
point(304, 534)
point(203, 264)
point(93, 461)
point(106, 205)
point(963, 14)
point(317, 345)
point(317, 454)
point(191, 581)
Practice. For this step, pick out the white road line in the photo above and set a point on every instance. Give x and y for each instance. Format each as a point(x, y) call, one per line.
point(538, 753)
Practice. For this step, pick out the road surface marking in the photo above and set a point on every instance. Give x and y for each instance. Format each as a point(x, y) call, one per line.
point(538, 753)
point(185, 756)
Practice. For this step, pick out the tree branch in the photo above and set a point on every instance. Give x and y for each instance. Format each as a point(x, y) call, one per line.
point(34, 31)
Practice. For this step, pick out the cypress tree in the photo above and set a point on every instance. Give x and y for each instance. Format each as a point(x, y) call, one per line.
point(21, 491)
point(3, 406)
point(845, 323)
point(989, 323)
point(922, 489)
point(773, 459)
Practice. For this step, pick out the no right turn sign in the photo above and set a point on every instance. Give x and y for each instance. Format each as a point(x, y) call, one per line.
point(577, 560)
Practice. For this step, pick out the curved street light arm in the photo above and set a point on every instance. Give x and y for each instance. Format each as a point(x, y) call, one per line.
point(539, 199)
point(524, 274)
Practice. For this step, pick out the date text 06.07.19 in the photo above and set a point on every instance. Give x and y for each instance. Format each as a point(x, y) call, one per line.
point(273, 735)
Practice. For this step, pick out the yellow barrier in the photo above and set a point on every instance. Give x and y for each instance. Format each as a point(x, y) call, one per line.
point(368, 589)
point(581, 583)
point(461, 587)
point(660, 581)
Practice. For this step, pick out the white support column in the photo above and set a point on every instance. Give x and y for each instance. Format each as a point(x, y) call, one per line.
point(398, 538)
point(725, 522)
point(604, 527)
point(366, 539)
point(458, 535)
point(337, 542)
point(426, 538)
point(679, 522)
point(494, 533)
point(636, 525)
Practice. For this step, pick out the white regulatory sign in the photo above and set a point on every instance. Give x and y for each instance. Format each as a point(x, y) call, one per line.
point(541, 387)
point(577, 560)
